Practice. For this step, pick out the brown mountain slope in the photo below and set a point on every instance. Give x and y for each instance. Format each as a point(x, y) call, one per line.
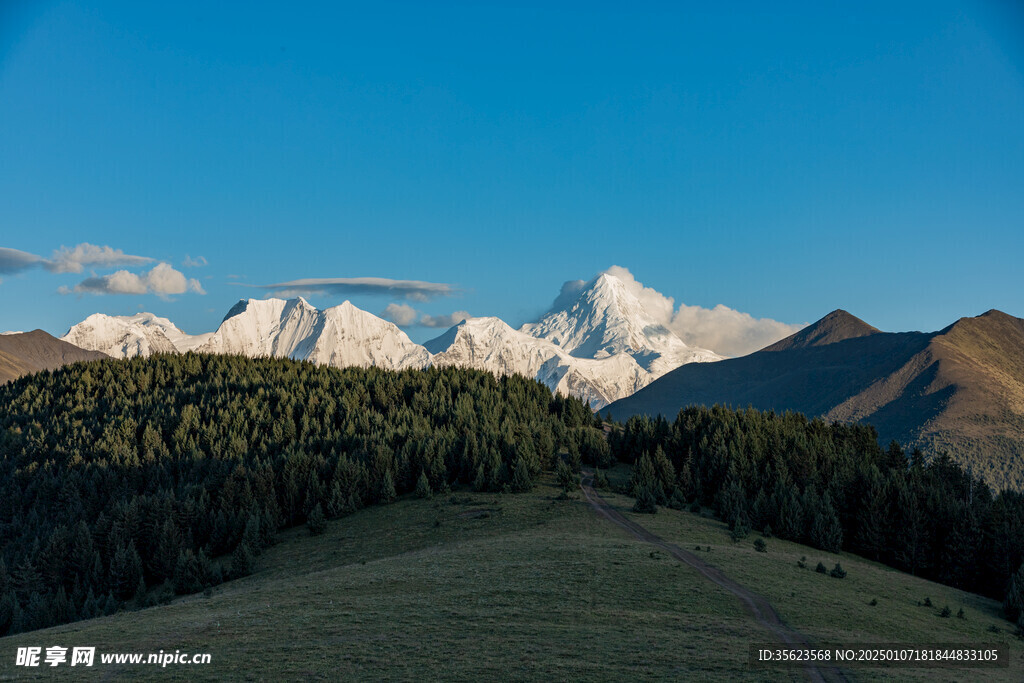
point(960, 390)
point(26, 352)
point(836, 326)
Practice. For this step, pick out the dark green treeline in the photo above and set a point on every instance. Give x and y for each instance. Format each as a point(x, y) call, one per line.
point(125, 482)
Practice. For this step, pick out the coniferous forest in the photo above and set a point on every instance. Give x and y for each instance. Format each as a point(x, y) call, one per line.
point(123, 483)
point(833, 487)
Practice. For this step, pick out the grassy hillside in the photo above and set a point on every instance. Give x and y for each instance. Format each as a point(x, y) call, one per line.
point(522, 587)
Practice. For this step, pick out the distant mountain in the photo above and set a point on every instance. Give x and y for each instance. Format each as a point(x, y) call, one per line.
point(132, 335)
point(606, 319)
point(836, 326)
point(489, 344)
point(601, 347)
point(340, 336)
point(959, 390)
point(22, 353)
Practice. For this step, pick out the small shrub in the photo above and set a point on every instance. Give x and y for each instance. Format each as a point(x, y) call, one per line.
point(760, 546)
point(946, 613)
point(874, 602)
point(821, 568)
point(600, 480)
point(960, 614)
point(838, 572)
point(767, 530)
point(927, 602)
point(992, 628)
point(802, 562)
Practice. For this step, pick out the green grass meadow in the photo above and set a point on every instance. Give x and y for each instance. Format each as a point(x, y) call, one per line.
point(517, 587)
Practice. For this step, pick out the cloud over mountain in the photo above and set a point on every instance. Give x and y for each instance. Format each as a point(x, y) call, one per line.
point(413, 290)
point(162, 280)
point(723, 330)
point(74, 259)
point(444, 320)
point(402, 315)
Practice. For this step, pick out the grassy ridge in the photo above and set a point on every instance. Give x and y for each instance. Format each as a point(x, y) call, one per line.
point(519, 587)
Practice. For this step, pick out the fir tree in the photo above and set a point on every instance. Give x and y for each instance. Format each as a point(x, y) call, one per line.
point(316, 522)
point(423, 489)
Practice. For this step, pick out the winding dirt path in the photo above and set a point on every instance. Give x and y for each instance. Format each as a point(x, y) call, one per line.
point(757, 605)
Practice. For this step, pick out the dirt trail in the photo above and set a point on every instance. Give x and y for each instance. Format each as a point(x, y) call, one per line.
point(757, 605)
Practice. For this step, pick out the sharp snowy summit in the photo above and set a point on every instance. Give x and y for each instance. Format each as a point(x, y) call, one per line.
point(601, 346)
point(607, 319)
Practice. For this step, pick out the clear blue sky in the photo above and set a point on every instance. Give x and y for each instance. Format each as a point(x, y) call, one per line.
point(783, 160)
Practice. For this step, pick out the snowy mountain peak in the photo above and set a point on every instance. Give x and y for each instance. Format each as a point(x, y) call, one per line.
point(606, 319)
point(598, 343)
point(343, 335)
point(126, 336)
point(491, 344)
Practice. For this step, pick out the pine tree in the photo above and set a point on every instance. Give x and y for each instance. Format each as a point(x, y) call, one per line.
point(125, 571)
point(423, 486)
point(646, 501)
point(316, 523)
point(1013, 604)
point(827, 533)
point(565, 477)
point(387, 488)
point(242, 560)
point(521, 479)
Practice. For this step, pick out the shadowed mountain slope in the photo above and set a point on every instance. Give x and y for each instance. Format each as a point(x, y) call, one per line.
point(959, 390)
point(27, 352)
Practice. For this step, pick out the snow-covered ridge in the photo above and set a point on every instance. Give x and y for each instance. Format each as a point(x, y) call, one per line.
point(340, 336)
point(601, 347)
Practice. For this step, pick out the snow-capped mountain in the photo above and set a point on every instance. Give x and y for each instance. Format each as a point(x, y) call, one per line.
point(490, 344)
point(340, 336)
point(127, 336)
point(600, 347)
point(606, 319)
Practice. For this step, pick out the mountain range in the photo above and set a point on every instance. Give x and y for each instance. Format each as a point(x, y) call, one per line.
point(958, 390)
point(601, 346)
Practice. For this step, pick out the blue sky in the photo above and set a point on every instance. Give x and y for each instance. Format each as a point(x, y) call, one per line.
point(782, 160)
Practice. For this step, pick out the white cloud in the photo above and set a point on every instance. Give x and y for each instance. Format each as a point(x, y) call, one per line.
point(445, 321)
point(402, 315)
point(162, 280)
point(197, 262)
point(72, 260)
point(722, 329)
point(413, 290)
